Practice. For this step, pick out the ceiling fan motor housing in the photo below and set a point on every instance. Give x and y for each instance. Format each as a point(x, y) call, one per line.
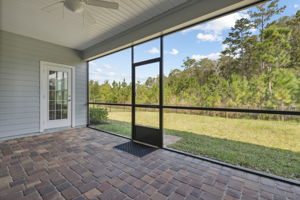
point(76, 6)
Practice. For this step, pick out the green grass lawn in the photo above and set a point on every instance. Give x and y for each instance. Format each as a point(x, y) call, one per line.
point(270, 146)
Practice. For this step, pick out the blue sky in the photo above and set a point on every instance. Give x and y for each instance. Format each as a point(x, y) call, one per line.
point(200, 41)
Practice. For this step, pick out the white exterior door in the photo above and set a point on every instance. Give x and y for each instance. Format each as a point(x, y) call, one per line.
point(56, 96)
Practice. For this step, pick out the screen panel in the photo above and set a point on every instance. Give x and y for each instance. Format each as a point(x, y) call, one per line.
point(110, 78)
point(115, 119)
point(147, 50)
point(147, 84)
point(230, 62)
point(259, 141)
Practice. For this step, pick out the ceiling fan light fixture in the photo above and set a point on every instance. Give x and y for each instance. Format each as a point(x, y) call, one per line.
point(76, 6)
point(81, 6)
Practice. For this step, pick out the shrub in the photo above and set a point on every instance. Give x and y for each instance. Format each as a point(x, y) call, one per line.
point(98, 115)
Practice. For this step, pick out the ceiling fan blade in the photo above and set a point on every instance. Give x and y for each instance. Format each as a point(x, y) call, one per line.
point(50, 7)
point(104, 4)
point(88, 17)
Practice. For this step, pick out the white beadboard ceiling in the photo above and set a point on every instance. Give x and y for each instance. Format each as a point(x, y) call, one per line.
point(25, 17)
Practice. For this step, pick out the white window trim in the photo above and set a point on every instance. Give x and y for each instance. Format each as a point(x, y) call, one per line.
point(43, 109)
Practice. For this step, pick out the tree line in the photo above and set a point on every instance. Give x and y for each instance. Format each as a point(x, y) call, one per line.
point(257, 70)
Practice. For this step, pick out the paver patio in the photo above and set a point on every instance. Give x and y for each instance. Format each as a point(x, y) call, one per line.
point(88, 164)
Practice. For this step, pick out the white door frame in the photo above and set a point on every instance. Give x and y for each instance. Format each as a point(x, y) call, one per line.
point(43, 93)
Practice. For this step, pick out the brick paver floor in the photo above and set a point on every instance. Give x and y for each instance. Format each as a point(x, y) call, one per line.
point(84, 164)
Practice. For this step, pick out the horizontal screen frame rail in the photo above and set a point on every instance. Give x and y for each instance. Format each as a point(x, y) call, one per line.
point(146, 106)
point(278, 112)
point(109, 104)
point(146, 62)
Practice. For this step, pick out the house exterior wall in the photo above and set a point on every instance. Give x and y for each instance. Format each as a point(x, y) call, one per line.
point(20, 82)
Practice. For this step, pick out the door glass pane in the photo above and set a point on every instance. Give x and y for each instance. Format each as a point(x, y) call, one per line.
point(58, 95)
point(147, 84)
point(51, 95)
point(52, 80)
point(58, 114)
point(64, 105)
point(65, 81)
point(51, 105)
point(64, 114)
point(51, 115)
point(58, 105)
point(59, 80)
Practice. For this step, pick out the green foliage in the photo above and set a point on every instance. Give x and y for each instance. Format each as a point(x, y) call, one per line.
point(238, 91)
point(284, 88)
point(237, 36)
point(111, 93)
point(294, 25)
point(263, 15)
point(98, 115)
point(274, 49)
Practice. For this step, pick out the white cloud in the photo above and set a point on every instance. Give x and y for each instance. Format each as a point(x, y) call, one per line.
point(224, 46)
point(154, 50)
point(173, 52)
point(101, 76)
point(107, 66)
point(194, 28)
point(94, 64)
point(253, 30)
point(223, 23)
point(110, 74)
point(98, 70)
point(218, 25)
point(212, 56)
point(209, 37)
point(296, 6)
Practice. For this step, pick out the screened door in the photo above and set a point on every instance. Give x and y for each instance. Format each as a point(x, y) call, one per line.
point(147, 101)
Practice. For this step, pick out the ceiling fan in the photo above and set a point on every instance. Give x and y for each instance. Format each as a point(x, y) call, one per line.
point(81, 6)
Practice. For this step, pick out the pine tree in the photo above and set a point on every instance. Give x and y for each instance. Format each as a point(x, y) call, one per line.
point(284, 88)
point(237, 43)
point(264, 14)
point(261, 18)
point(274, 50)
point(294, 25)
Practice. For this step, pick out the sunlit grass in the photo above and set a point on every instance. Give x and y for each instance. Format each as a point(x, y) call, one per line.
point(269, 133)
point(270, 146)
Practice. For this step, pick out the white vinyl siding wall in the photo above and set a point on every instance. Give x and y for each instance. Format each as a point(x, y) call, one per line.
point(19, 82)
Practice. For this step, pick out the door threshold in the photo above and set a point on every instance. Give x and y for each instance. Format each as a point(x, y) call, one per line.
point(149, 145)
